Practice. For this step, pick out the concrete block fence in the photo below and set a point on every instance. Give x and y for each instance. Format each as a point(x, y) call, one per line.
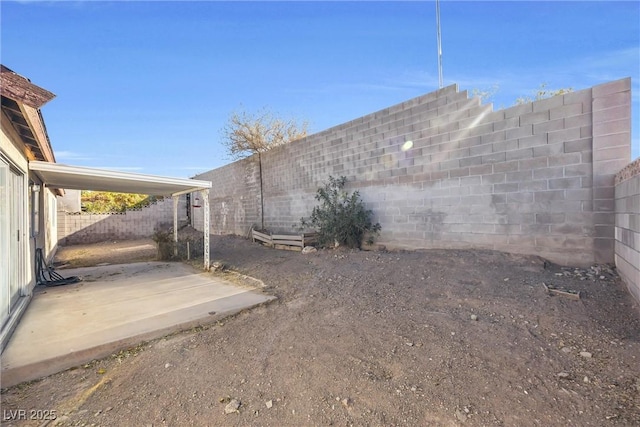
point(443, 171)
point(235, 198)
point(78, 227)
point(627, 226)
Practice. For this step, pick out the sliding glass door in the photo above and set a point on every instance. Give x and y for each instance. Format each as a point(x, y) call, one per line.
point(12, 235)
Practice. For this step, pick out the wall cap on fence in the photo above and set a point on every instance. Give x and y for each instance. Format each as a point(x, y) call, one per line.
point(629, 171)
point(95, 213)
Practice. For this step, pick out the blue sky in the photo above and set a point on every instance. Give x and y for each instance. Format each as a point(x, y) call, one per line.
point(147, 86)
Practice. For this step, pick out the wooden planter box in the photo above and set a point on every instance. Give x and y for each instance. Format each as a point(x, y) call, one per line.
point(284, 241)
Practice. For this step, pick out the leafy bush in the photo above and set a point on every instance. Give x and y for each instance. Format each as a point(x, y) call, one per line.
point(166, 245)
point(341, 217)
point(106, 201)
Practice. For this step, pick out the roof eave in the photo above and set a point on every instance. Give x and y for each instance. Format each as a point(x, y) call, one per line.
point(29, 98)
point(20, 89)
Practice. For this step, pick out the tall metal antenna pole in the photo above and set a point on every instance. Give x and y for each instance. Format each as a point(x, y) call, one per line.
point(440, 79)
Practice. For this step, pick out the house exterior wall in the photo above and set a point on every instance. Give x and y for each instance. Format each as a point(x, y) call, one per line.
point(18, 242)
point(444, 171)
point(22, 195)
point(10, 146)
point(49, 220)
point(15, 282)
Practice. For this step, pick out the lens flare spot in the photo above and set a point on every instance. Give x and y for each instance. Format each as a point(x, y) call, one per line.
point(407, 146)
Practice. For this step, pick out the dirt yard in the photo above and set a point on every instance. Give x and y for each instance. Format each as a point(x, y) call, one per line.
point(112, 252)
point(358, 338)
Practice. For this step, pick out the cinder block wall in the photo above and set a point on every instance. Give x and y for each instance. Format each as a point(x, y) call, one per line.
point(444, 171)
point(235, 202)
point(78, 228)
point(627, 226)
point(611, 153)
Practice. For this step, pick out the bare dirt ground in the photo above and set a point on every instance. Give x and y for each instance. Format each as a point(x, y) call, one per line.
point(112, 252)
point(424, 338)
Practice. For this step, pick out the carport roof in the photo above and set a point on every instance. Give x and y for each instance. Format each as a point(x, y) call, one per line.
point(56, 175)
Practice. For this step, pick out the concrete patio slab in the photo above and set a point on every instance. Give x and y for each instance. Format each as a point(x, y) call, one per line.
point(113, 308)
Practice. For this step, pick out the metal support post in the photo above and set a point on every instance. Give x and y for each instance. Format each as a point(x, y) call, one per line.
point(206, 217)
point(176, 199)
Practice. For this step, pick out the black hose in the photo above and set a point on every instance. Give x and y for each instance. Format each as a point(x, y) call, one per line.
point(46, 275)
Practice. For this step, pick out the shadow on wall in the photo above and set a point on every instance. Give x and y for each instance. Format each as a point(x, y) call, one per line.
point(235, 201)
point(444, 171)
point(90, 229)
point(80, 228)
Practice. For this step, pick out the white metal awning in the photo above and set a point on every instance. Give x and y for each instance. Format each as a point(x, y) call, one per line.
point(56, 175)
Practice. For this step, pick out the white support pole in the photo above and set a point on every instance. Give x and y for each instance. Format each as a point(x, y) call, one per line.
point(176, 199)
point(205, 199)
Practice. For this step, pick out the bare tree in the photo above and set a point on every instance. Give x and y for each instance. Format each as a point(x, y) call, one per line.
point(246, 134)
point(542, 93)
point(487, 94)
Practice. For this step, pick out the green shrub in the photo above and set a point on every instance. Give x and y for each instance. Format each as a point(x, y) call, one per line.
point(341, 217)
point(166, 245)
point(106, 201)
